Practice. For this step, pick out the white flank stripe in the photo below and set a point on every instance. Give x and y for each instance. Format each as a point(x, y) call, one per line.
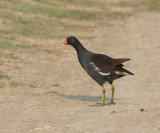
point(97, 69)
point(104, 73)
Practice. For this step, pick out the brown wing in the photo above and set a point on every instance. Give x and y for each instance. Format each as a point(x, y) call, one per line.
point(104, 63)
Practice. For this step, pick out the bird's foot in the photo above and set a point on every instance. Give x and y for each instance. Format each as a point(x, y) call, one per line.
point(98, 105)
point(111, 103)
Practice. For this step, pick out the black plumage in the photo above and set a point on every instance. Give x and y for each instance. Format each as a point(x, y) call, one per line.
point(100, 67)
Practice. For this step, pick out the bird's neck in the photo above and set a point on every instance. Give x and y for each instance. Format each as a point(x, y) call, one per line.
point(79, 48)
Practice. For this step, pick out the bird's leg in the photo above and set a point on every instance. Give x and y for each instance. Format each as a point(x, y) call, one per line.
point(103, 99)
point(112, 98)
point(103, 95)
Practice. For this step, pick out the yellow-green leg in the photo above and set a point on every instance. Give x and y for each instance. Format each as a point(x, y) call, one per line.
point(103, 95)
point(103, 99)
point(112, 98)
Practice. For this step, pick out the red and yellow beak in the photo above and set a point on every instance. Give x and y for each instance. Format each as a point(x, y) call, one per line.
point(65, 43)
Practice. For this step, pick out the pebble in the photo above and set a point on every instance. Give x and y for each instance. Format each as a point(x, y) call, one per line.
point(113, 112)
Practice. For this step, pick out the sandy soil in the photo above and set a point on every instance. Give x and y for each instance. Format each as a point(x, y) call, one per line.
point(61, 101)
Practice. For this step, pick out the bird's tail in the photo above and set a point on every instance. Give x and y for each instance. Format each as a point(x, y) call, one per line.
point(126, 71)
point(120, 61)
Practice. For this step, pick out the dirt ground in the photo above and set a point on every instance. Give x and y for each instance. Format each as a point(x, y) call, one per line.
point(61, 101)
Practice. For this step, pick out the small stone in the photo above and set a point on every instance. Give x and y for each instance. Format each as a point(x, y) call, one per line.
point(113, 112)
point(141, 109)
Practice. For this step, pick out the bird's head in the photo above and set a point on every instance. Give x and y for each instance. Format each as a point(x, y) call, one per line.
point(71, 40)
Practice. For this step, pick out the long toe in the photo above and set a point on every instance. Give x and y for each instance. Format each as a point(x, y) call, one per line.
point(97, 105)
point(111, 103)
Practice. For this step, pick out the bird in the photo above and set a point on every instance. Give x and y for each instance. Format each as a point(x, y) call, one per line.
point(99, 67)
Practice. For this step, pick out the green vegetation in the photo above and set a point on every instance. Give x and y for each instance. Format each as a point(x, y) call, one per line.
point(56, 85)
point(9, 45)
point(14, 84)
point(143, 5)
point(32, 84)
point(153, 5)
point(11, 56)
point(43, 18)
point(1, 85)
point(3, 76)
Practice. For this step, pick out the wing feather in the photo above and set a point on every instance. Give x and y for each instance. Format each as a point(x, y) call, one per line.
point(106, 64)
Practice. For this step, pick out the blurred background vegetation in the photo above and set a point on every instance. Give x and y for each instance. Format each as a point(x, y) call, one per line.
point(53, 18)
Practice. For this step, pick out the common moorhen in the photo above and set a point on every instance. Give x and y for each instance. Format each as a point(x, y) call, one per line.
point(100, 67)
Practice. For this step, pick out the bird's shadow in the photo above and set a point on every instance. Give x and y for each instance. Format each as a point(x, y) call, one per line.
point(77, 97)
